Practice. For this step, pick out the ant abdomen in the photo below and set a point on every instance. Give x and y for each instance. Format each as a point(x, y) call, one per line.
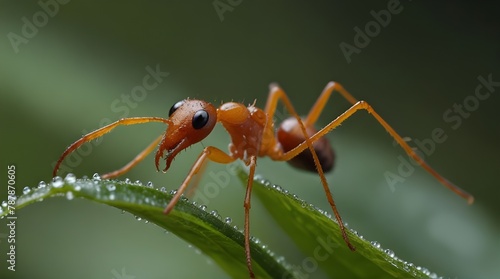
point(290, 135)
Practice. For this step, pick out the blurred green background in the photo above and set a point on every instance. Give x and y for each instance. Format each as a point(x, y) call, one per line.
point(73, 73)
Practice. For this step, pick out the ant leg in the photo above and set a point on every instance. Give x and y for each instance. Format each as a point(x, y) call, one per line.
point(135, 161)
point(317, 108)
point(219, 156)
point(210, 152)
point(248, 195)
point(276, 94)
point(365, 106)
point(196, 181)
point(106, 129)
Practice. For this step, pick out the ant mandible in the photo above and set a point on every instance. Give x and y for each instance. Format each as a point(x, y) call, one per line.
point(253, 135)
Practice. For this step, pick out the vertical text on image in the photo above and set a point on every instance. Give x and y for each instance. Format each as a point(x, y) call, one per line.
point(11, 217)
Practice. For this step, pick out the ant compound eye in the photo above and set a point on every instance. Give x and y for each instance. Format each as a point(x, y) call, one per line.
point(175, 107)
point(200, 119)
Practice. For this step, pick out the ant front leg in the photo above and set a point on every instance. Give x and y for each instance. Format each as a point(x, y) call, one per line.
point(211, 153)
point(216, 155)
point(134, 161)
point(106, 129)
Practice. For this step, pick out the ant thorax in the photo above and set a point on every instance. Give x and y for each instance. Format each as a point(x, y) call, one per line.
point(245, 126)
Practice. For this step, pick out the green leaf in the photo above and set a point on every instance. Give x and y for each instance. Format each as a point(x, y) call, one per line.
point(214, 237)
point(319, 237)
point(313, 230)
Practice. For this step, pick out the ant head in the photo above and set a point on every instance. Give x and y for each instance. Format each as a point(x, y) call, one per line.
point(190, 121)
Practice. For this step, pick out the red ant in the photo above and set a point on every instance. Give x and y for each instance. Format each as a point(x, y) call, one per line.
point(253, 135)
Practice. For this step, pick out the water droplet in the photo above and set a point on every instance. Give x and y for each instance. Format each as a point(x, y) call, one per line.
point(389, 253)
point(166, 232)
point(111, 197)
point(69, 195)
point(111, 187)
point(203, 207)
point(123, 211)
point(4, 204)
point(138, 218)
point(375, 244)
point(70, 178)
point(127, 180)
point(26, 190)
point(258, 177)
point(96, 177)
point(138, 182)
point(215, 213)
point(78, 188)
point(426, 271)
point(433, 275)
point(278, 188)
point(173, 192)
point(146, 222)
point(280, 259)
point(150, 184)
point(228, 220)
point(57, 182)
point(42, 184)
point(163, 189)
